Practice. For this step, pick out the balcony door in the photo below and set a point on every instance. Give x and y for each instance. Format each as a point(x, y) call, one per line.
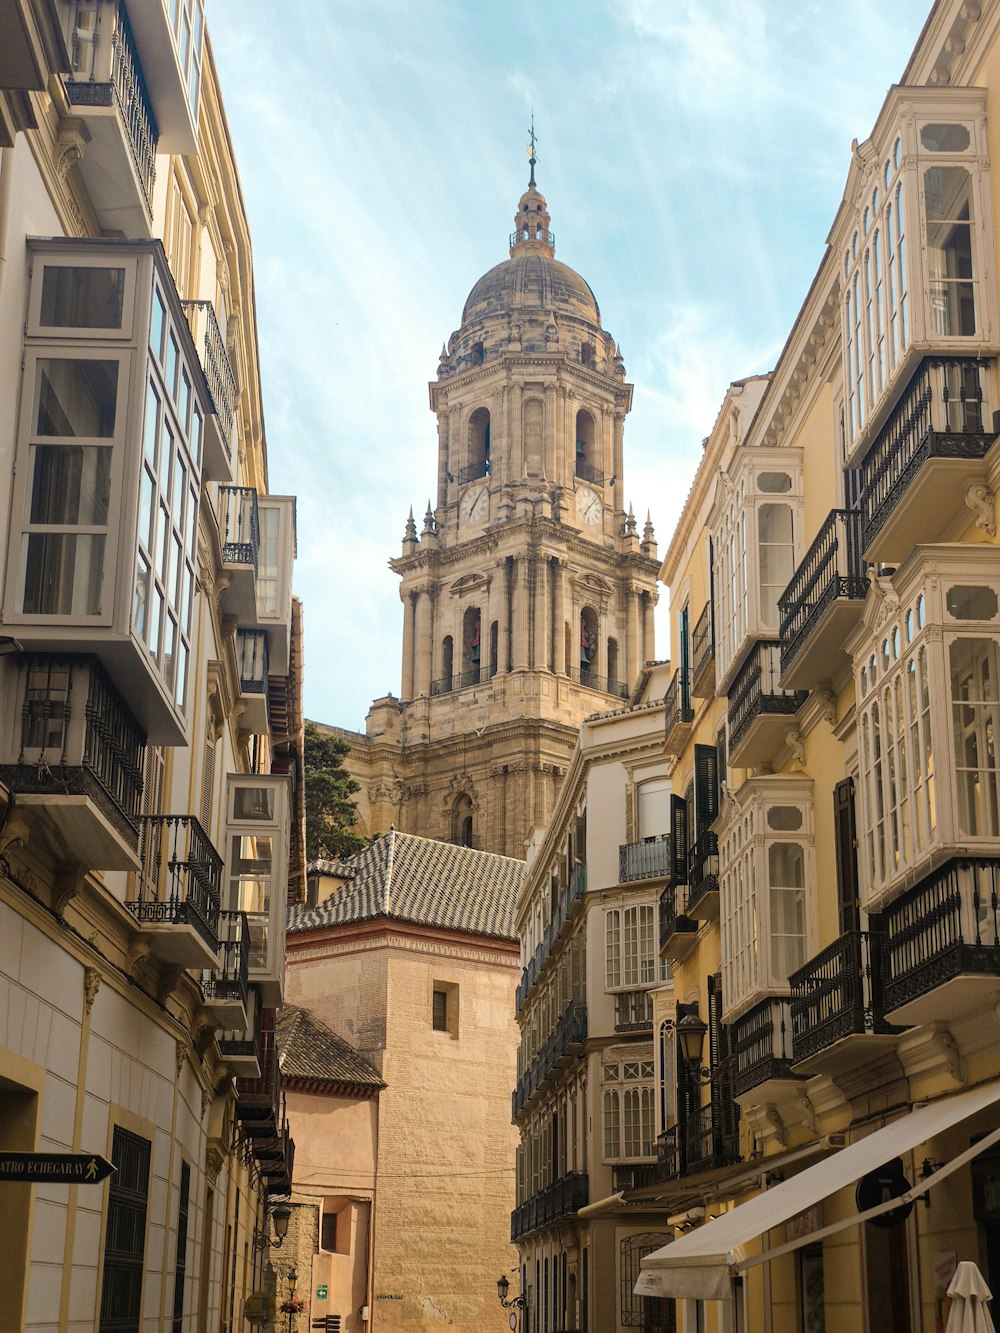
point(887, 1278)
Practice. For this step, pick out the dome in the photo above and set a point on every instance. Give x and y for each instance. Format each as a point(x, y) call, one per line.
point(531, 280)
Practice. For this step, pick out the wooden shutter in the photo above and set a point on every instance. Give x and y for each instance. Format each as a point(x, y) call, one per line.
point(725, 1112)
point(706, 785)
point(679, 840)
point(846, 845)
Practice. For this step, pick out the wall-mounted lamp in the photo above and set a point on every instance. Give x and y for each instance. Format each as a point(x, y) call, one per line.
point(280, 1215)
point(691, 1032)
point(9, 645)
point(927, 1168)
point(503, 1287)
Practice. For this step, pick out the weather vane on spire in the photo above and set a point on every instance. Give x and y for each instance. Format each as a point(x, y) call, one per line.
point(529, 148)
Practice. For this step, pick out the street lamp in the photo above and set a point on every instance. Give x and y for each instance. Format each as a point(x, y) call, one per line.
point(503, 1286)
point(292, 1279)
point(691, 1035)
point(280, 1216)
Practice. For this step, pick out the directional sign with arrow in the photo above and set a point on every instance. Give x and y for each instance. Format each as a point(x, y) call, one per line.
point(63, 1168)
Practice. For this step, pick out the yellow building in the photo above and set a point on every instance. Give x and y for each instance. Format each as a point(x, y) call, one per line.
point(406, 953)
point(150, 682)
point(528, 594)
point(832, 919)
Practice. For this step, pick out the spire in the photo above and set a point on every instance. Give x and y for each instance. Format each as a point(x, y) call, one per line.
point(429, 524)
point(648, 546)
point(410, 534)
point(630, 523)
point(531, 151)
point(531, 221)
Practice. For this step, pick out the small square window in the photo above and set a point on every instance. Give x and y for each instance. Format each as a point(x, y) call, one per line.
point(444, 1007)
point(439, 1019)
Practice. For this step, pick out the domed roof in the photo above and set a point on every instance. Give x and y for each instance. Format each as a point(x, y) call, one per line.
point(531, 280)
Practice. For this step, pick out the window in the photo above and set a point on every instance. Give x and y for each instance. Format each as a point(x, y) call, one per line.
point(976, 731)
point(180, 1268)
point(125, 1237)
point(444, 1008)
point(439, 1020)
point(628, 1109)
point(630, 948)
point(652, 1314)
point(949, 222)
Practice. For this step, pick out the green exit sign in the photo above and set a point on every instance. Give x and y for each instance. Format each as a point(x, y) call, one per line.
point(321, 1293)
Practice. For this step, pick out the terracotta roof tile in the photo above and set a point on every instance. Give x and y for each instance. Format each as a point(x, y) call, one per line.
point(307, 1049)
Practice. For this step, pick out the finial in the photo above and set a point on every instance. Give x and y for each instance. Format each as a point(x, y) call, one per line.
point(648, 544)
point(429, 518)
point(647, 532)
point(530, 149)
point(410, 535)
point(630, 523)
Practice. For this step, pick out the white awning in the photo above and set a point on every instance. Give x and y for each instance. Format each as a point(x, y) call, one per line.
point(700, 1265)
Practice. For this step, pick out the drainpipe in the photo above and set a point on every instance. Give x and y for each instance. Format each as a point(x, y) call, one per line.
point(6, 193)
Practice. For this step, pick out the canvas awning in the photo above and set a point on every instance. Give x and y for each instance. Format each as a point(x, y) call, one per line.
point(701, 1265)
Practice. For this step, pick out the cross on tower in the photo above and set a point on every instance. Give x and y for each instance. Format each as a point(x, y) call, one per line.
point(532, 158)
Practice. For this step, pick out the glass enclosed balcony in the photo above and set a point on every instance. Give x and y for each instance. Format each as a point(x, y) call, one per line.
point(823, 602)
point(257, 872)
point(178, 890)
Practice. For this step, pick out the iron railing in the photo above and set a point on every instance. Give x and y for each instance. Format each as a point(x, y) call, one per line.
point(755, 691)
point(677, 710)
point(587, 472)
point(181, 876)
point(946, 925)
point(569, 1031)
point(252, 655)
point(239, 523)
point(258, 1099)
point(564, 1196)
point(215, 363)
point(648, 859)
point(460, 680)
point(229, 981)
point(703, 869)
point(761, 1044)
point(633, 1011)
point(702, 645)
point(939, 416)
point(674, 919)
point(572, 893)
point(696, 1144)
point(474, 471)
point(838, 994)
point(127, 90)
point(832, 568)
point(593, 681)
point(634, 1176)
point(533, 234)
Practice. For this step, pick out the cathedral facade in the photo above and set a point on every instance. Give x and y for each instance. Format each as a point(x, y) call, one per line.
point(528, 594)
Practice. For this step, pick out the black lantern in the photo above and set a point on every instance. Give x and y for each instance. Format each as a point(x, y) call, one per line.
point(503, 1286)
point(691, 1034)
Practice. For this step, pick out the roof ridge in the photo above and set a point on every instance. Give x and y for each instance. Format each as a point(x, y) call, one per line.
point(387, 887)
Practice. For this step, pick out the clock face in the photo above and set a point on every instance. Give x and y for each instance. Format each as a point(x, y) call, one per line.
point(589, 509)
point(475, 505)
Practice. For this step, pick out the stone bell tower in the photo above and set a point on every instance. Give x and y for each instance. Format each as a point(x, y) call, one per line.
point(528, 593)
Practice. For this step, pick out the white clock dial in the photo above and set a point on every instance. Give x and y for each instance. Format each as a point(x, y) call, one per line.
point(589, 509)
point(475, 504)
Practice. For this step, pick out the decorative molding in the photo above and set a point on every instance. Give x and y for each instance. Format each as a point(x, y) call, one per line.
point(795, 743)
point(947, 1048)
point(980, 500)
point(214, 1160)
point(91, 985)
point(180, 1055)
point(827, 701)
point(807, 1111)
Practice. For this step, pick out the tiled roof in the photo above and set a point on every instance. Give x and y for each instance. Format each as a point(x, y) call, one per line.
point(422, 880)
point(308, 1050)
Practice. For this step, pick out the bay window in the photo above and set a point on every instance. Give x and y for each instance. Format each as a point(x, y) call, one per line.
point(630, 946)
point(628, 1106)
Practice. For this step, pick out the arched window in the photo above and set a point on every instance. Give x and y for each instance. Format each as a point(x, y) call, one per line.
point(461, 822)
point(585, 447)
point(477, 354)
point(471, 645)
point(447, 662)
point(588, 641)
point(479, 445)
point(614, 684)
point(494, 647)
point(588, 357)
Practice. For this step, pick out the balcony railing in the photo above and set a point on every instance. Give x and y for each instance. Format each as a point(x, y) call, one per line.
point(946, 926)
point(593, 681)
point(677, 710)
point(838, 994)
point(633, 1011)
point(697, 1144)
point(648, 859)
point(474, 471)
point(587, 472)
point(181, 876)
point(127, 90)
point(258, 1099)
point(571, 894)
point(831, 569)
point(239, 524)
point(569, 1032)
point(703, 654)
point(460, 680)
point(214, 362)
point(251, 654)
point(564, 1196)
point(755, 691)
point(703, 873)
point(634, 1176)
point(674, 919)
point(533, 234)
point(939, 416)
point(228, 982)
point(761, 1042)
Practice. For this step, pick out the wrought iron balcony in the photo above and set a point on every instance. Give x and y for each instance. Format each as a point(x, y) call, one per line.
point(916, 475)
point(677, 928)
point(218, 374)
point(823, 601)
point(564, 1196)
point(703, 877)
point(107, 74)
point(634, 1176)
point(239, 524)
point(592, 681)
point(258, 1099)
point(703, 654)
point(533, 234)
point(837, 1005)
point(696, 1144)
point(761, 1044)
point(474, 471)
point(942, 943)
point(252, 663)
point(460, 680)
point(633, 1011)
point(179, 888)
point(77, 739)
point(677, 712)
point(572, 893)
point(565, 1040)
point(759, 708)
point(648, 859)
point(225, 987)
point(587, 472)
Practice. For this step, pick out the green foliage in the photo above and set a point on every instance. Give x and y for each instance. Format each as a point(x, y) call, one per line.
point(330, 811)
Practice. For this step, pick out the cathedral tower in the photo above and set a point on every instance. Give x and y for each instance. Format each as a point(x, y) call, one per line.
point(528, 594)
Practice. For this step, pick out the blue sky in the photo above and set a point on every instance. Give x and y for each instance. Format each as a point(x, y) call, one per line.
point(692, 155)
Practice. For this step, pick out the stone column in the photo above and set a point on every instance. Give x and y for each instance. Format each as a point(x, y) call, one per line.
point(631, 635)
point(549, 436)
point(423, 638)
point(603, 624)
point(502, 611)
point(541, 653)
point(559, 619)
point(406, 691)
point(516, 434)
point(619, 462)
point(648, 636)
point(519, 647)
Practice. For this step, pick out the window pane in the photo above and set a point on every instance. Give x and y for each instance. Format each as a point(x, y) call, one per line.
point(976, 723)
point(253, 803)
point(82, 298)
point(76, 398)
point(945, 138)
point(64, 574)
point(70, 483)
